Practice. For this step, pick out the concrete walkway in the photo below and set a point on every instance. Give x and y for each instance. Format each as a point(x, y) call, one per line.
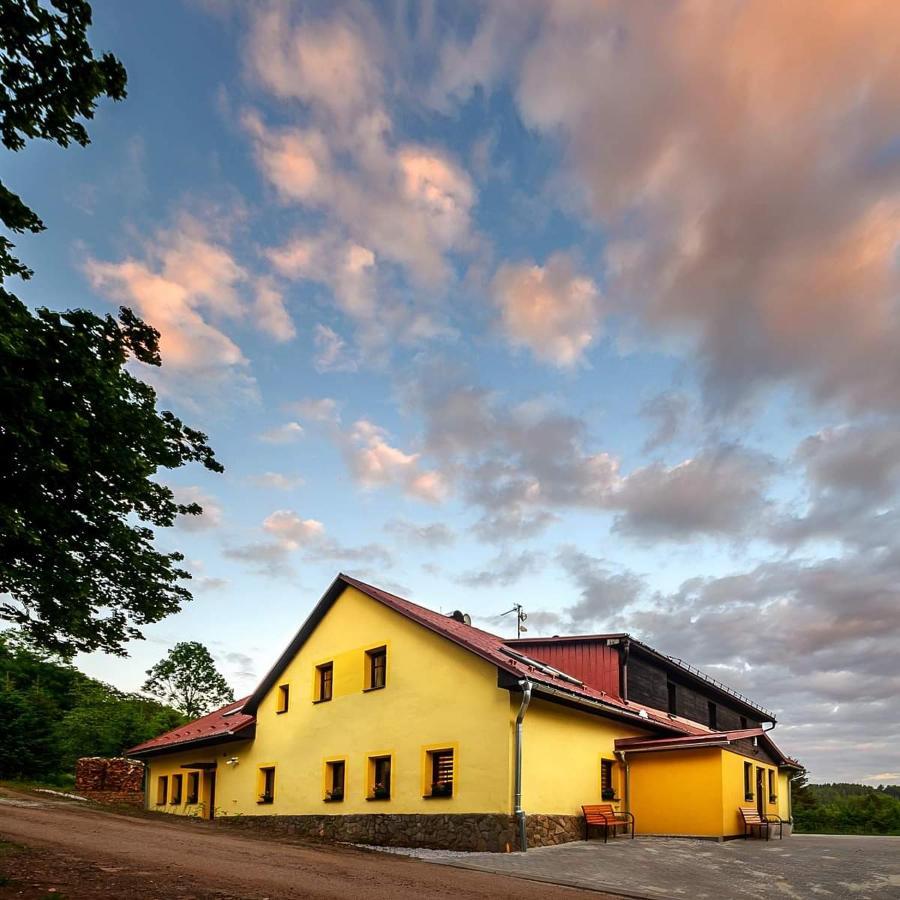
point(798, 868)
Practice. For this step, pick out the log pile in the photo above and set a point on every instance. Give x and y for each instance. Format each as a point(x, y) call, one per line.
point(110, 780)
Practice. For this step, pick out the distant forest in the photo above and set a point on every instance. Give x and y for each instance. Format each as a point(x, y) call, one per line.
point(52, 714)
point(846, 808)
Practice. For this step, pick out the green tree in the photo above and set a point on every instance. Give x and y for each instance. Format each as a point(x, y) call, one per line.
point(80, 437)
point(80, 441)
point(49, 79)
point(52, 714)
point(188, 680)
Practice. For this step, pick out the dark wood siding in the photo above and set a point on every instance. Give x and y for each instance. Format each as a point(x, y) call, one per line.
point(595, 663)
point(648, 684)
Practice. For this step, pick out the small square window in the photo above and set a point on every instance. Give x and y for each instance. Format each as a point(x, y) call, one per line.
point(193, 787)
point(266, 784)
point(380, 778)
point(176, 789)
point(335, 780)
point(440, 763)
point(376, 676)
point(284, 698)
point(162, 790)
point(324, 682)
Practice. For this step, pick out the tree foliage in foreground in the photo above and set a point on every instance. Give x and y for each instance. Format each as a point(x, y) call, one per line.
point(49, 80)
point(187, 679)
point(52, 714)
point(80, 437)
point(80, 441)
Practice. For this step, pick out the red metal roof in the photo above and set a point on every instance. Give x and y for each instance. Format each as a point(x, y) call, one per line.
point(228, 721)
point(224, 722)
point(713, 738)
point(490, 647)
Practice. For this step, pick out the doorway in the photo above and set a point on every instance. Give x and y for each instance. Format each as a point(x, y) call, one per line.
point(209, 793)
point(760, 787)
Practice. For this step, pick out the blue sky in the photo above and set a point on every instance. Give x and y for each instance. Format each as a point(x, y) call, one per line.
point(587, 306)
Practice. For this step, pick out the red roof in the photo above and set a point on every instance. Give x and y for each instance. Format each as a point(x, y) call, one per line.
point(223, 723)
point(239, 716)
point(489, 647)
point(712, 739)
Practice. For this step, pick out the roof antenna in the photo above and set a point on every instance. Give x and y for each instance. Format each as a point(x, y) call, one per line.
point(521, 616)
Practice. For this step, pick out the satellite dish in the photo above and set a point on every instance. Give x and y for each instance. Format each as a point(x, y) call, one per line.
point(467, 619)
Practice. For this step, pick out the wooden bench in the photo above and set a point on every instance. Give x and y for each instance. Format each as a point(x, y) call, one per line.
point(753, 819)
point(602, 815)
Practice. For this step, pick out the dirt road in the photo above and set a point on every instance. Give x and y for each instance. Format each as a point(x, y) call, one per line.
point(68, 850)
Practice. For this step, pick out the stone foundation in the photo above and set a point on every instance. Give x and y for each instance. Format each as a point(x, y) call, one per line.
point(489, 832)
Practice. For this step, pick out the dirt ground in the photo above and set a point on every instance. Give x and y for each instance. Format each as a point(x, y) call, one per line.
point(75, 851)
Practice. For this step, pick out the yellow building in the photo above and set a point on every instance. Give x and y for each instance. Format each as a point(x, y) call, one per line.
point(387, 722)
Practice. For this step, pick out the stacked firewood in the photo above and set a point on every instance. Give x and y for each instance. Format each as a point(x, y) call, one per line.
point(110, 780)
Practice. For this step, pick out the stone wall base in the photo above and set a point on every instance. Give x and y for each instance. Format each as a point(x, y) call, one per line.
point(489, 832)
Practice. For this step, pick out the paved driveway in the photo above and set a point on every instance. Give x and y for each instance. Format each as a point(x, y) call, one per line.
point(801, 867)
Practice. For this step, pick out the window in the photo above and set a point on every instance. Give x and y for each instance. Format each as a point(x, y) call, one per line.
point(284, 698)
point(335, 780)
point(266, 784)
point(377, 668)
point(673, 699)
point(607, 789)
point(748, 781)
point(743, 722)
point(773, 797)
point(379, 778)
point(193, 787)
point(176, 789)
point(162, 790)
point(713, 715)
point(324, 682)
point(440, 773)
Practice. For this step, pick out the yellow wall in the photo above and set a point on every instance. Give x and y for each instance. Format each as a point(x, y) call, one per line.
point(561, 754)
point(733, 790)
point(677, 792)
point(228, 780)
point(437, 694)
point(784, 793)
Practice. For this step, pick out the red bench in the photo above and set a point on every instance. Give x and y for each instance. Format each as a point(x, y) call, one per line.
point(752, 819)
point(602, 815)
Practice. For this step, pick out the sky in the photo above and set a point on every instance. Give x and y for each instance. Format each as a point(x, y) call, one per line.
point(590, 306)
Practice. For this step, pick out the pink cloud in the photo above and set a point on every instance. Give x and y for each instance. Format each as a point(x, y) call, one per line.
point(549, 309)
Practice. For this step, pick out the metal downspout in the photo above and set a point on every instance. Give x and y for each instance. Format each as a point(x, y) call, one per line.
point(621, 755)
point(525, 684)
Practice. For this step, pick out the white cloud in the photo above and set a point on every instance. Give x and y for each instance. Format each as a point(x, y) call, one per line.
point(283, 434)
point(292, 531)
point(331, 351)
point(211, 516)
point(277, 480)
